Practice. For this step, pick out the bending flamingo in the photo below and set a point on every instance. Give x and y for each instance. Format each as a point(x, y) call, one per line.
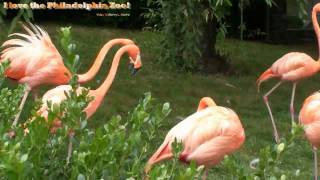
point(207, 135)
point(310, 117)
point(292, 67)
point(35, 61)
point(57, 95)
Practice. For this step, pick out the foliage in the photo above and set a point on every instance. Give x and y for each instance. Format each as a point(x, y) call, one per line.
point(9, 99)
point(119, 149)
point(115, 150)
point(69, 47)
point(152, 15)
point(183, 28)
point(302, 6)
point(182, 40)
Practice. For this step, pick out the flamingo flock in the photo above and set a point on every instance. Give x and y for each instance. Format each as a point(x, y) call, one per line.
point(212, 132)
point(35, 61)
point(207, 135)
point(294, 67)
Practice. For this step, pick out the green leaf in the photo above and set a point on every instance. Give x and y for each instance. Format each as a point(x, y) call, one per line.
point(81, 177)
point(24, 158)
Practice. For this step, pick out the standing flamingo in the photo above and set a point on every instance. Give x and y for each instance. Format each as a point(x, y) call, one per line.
point(35, 61)
point(57, 95)
point(207, 135)
point(293, 67)
point(310, 117)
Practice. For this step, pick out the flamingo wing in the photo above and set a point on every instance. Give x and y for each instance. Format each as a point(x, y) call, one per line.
point(217, 134)
point(28, 53)
point(294, 66)
point(180, 132)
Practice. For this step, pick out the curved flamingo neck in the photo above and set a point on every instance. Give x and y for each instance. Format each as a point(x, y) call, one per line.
point(99, 59)
point(316, 28)
point(105, 86)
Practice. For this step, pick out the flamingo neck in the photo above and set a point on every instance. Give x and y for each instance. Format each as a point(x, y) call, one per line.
point(99, 60)
point(105, 86)
point(316, 28)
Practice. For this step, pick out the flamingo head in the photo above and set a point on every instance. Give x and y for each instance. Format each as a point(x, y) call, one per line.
point(125, 41)
point(316, 7)
point(206, 102)
point(135, 59)
point(63, 77)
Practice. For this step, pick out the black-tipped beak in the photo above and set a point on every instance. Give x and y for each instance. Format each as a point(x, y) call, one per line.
point(133, 70)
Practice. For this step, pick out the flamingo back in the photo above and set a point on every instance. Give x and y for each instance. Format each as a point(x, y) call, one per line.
point(55, 96)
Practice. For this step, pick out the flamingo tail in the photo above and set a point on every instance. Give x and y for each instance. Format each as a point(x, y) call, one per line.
point(264, 76)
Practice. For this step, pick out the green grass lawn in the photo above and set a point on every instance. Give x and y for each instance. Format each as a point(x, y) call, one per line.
point(184, 90)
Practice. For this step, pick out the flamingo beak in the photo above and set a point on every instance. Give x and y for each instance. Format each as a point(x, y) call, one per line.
point(132, 69)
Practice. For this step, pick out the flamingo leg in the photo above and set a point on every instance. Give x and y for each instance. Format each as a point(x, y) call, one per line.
point(205, 175)
point(69, 149)
point(315, 163)
point(292, 101)
point(35, 92)
point(24, 98)
point(265, 98)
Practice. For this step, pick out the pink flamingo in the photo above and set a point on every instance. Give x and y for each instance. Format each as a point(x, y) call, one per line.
point(310, 117)
point(292, 67)
point(207, 135)
point(35, 61)
point(57, 95)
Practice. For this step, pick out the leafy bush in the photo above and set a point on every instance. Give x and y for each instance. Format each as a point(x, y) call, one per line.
point(117, 150)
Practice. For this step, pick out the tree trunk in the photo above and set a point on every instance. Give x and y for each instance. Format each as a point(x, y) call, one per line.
point(209, 41)
point(212, 61)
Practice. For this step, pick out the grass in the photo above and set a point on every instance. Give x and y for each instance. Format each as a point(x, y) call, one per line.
point(184, 90)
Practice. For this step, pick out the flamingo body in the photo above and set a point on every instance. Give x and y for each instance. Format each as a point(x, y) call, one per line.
point(293, 66)
point(207, 135)
point(310, 117)
point(35, 60)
